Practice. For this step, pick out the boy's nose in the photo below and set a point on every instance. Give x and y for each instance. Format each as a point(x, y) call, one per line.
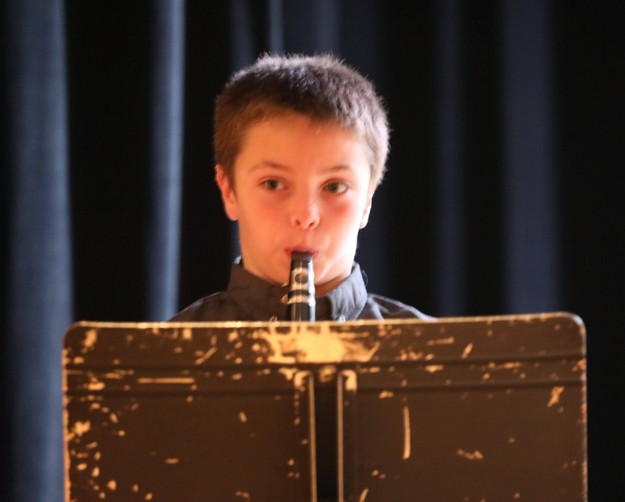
point(305, 215)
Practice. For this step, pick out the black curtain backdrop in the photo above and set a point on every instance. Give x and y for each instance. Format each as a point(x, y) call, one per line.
point(504, 192)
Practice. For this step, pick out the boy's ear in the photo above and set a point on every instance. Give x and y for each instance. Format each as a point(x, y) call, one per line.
point(366, 212)
point(227, 193)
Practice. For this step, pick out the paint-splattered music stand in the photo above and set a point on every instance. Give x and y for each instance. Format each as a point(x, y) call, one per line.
point(486, 408)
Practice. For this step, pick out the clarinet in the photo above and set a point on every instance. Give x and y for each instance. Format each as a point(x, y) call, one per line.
point(301, 296)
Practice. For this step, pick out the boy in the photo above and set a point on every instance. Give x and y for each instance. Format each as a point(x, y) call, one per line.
point(300, 147)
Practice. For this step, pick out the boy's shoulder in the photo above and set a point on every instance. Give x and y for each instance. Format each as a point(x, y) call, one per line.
point(381, 307)
point(215, 307)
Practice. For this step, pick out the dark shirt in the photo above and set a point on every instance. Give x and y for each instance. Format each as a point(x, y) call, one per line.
point(250, 298)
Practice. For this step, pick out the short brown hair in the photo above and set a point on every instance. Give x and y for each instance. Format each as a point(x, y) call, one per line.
point(321, 87)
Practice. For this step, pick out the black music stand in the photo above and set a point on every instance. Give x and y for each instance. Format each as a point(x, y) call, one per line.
point(467, 409)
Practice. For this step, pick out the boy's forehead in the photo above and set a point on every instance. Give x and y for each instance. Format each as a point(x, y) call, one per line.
point(293, 123)
point(290, 127)
point(299, 135)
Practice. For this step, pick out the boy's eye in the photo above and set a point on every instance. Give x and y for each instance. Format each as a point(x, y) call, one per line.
point(272, 184)
point(336, 187)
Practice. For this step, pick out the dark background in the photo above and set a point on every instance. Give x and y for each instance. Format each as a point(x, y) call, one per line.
point(504, 194)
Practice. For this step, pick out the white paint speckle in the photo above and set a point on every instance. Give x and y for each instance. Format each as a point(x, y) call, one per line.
point(91, 337)
point(474, 455)
point(406, 420)
point(556, 392)
point(363, 495)
point(80, 428)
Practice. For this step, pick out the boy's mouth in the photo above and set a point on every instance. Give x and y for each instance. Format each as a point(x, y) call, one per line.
point(302, 249)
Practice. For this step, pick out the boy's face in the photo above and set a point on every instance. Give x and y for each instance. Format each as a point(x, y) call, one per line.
point(299, 186)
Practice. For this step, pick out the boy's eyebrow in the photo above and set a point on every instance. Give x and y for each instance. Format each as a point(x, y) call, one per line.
point(268, 163)
point(284, 167)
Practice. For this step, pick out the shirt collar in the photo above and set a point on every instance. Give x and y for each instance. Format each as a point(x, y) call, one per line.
point(263, 301)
